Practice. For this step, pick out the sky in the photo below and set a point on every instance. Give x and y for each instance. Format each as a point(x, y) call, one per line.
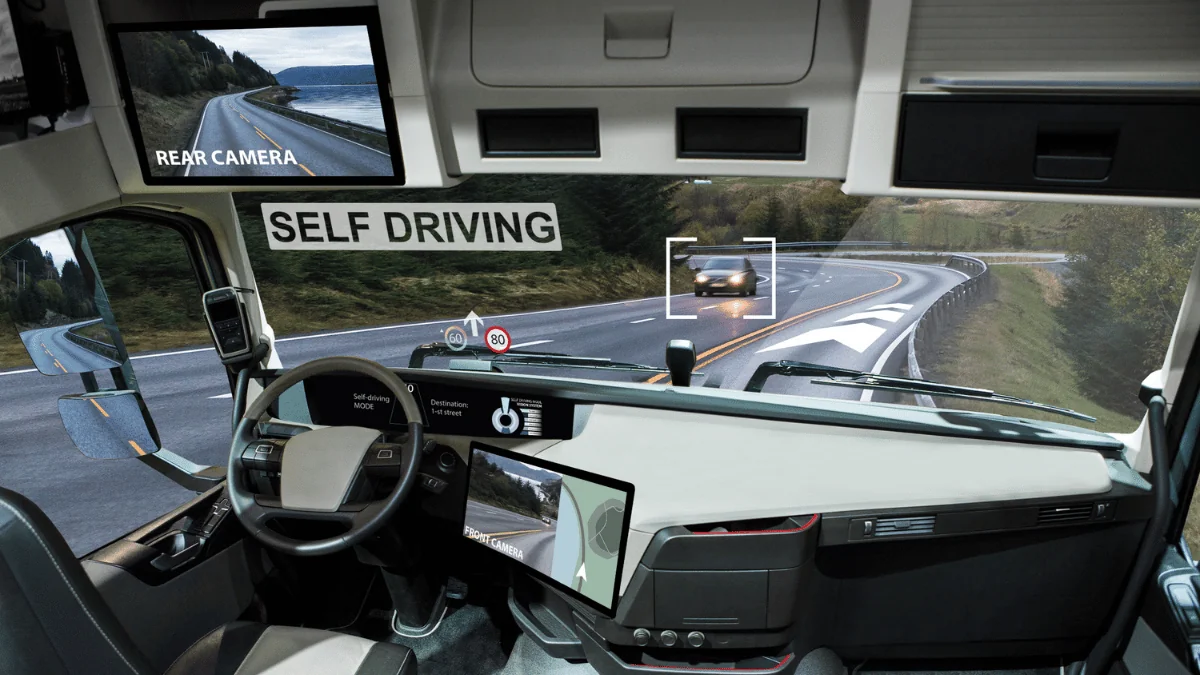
point(279, 48)
point(10, 63)
point(55, 243)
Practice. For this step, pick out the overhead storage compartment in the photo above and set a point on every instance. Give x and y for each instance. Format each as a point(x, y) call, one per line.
point(1044, 143)
point(586, 43)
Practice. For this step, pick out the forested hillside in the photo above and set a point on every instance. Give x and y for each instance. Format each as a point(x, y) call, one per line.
point(297, 76)
point(177, 63)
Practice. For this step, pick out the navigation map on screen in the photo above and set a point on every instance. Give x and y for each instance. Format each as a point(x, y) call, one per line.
point(286, 103)
point(566, 528)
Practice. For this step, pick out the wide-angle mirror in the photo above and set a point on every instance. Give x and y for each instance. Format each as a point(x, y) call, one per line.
point(108, 424)
point(53, 294)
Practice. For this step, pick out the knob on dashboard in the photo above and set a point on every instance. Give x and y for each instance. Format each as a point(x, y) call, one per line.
point(668, 638)
point(641, 637)
point(446, 461)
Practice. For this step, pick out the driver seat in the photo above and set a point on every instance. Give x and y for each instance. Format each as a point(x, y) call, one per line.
point(53, 621)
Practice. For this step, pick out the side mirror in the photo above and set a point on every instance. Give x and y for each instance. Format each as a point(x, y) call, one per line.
point(681, 359)
point(58, 306)
point(108, 424)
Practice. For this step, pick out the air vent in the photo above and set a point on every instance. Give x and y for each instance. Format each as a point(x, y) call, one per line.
point(903, 527)
point(1067, 513)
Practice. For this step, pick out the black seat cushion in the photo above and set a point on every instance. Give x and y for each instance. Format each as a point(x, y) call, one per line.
point(256, 649)
point(52, 619)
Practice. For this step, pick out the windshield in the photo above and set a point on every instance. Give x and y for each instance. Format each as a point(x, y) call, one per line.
point(1062, 304)
point(723, 264)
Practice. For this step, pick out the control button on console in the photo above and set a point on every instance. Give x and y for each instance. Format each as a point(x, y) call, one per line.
point(695, 638)
point(641, 637)
point(668, 638)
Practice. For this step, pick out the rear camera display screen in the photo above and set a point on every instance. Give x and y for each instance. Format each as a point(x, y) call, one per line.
point(260, 102)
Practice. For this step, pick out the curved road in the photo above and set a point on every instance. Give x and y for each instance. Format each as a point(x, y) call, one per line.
point(229, 123)
point(54, 354)
point(847, 313)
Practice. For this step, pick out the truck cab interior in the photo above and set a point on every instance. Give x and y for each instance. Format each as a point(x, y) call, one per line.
point(362, 337)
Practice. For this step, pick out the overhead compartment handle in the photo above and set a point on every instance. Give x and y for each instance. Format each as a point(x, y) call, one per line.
point(1075, 154)
point(638, 33)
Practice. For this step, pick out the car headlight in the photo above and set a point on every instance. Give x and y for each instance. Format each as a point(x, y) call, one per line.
point(700, 278)
point(737, 279)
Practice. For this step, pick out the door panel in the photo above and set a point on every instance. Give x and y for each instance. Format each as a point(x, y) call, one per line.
point(166, 610)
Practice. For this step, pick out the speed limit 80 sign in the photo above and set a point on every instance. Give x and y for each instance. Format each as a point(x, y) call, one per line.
point(497, 339)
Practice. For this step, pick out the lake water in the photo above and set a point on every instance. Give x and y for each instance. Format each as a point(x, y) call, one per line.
point(358, 103)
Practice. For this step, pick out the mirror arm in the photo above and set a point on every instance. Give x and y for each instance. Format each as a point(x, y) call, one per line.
point(183, 471)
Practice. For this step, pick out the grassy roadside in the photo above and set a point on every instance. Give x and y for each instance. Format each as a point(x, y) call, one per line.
point(167, 123)
point(306, 308)
point(1010, 345)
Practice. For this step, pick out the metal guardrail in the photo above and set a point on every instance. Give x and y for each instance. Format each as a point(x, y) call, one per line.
point(320, 121)
point(102, 348)
point(946, 313)
point(800, 245)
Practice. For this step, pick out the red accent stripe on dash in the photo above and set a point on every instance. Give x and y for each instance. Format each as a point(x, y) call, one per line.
point(802, 528)
point(698, 669)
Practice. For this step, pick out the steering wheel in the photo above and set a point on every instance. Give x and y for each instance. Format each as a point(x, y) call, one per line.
point(319, 466)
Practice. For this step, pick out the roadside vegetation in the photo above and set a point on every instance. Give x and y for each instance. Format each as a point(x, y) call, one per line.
point(1013, 346)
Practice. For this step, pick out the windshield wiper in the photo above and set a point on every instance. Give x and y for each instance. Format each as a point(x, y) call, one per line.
point(848, 377)
point(516, 357)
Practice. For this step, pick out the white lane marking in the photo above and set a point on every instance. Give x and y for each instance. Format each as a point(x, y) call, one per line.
point(711, 306)
point(856, 336)
point(883, 358)
point(887, 315)
point(320, 130)
point(182, 351)
point(18, 372)
point(892, 305)
point(200, 127)
point(530, 344)
point(642, 320)
point(222, 396)
point(797, 290)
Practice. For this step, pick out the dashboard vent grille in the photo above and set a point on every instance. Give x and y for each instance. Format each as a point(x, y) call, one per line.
point(896, 527)
point(1066, 513)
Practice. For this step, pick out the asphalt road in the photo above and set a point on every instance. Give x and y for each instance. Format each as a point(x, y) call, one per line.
point(533, 538)
point(106, 426)
point(54, 354)
point(847, 313)
point(229, 123)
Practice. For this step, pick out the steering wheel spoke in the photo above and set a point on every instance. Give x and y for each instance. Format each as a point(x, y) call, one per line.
point(310, 497)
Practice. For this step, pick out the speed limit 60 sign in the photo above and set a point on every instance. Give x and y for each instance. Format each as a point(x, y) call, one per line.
point(497, 339)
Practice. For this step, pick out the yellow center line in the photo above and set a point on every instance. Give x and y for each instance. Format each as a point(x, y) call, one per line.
point(47, 349)
point(731, 346)
point(243, 117)
point(102, 410)
point(60, 366)
point(279, 147)
point(264, 135)
point(137, 447)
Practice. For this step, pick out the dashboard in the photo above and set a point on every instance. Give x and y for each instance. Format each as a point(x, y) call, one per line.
point(783, 503)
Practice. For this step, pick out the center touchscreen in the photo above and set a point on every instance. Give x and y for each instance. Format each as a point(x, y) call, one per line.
point(567, 526)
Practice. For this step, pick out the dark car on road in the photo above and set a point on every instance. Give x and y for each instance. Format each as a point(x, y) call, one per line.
point(726, 274)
